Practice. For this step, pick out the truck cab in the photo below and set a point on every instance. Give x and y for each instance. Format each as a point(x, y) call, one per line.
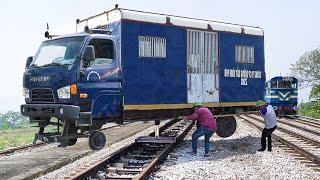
point(74, 82)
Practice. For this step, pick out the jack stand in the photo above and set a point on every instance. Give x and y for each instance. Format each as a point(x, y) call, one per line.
point(157, 138)
point(156, 131)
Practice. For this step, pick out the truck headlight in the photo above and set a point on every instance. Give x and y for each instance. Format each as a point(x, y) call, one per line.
point(64, 92)
point(26, 93)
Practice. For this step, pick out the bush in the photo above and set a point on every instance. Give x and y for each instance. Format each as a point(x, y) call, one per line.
point(310, 109)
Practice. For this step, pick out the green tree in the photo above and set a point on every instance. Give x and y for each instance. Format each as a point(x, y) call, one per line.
point(307, 68)
point(315, 93)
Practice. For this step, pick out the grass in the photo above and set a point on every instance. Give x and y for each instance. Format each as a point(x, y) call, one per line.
point(10, 138)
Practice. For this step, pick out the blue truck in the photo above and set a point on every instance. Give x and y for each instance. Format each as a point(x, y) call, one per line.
point(128, 64)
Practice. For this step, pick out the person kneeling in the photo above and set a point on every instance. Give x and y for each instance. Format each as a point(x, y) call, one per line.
point(207, 126)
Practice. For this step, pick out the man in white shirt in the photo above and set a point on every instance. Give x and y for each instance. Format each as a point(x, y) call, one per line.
point(270, 123)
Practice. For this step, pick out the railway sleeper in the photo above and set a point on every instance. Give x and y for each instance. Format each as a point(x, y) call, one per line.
point(122, 171)
point(139, 157)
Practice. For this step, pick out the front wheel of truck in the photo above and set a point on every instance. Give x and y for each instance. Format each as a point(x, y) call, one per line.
point(97, 140)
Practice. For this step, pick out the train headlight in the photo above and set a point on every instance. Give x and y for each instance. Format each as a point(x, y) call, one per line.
point(295, 108)
point(26, 93)
point(64, 92)
point(275, 107)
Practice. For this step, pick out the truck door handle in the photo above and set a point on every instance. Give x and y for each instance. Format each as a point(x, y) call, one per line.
point(189, 77)
point(119, 73)
point(216, 75)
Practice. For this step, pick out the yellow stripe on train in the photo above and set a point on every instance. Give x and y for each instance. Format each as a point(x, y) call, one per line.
point(183, 106)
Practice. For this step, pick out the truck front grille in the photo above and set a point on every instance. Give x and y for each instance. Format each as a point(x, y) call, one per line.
point(42, 95)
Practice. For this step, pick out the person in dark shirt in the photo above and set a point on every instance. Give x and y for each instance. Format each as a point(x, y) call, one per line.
point(206, 126)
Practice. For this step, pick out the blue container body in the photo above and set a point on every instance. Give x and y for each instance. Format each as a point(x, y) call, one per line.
point(153, 80)
point(231, 88)
point(164, 81)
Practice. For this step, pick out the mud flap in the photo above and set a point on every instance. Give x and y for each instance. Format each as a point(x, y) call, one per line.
point(226, 126)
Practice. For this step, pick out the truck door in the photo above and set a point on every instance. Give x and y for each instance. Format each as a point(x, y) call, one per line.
point(101, 79)
point(202, 77)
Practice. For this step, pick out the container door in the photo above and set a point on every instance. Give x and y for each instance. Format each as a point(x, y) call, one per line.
point(201, 62)
point(209, 73)
point(194, 58)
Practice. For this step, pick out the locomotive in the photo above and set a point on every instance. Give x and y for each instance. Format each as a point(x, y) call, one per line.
point(282, 93)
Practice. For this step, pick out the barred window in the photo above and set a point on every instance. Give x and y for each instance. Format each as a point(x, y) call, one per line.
point(244, 54)
point(152, 47)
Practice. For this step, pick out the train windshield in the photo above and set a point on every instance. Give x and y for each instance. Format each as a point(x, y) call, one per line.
point(283, 84)
point(58, 52)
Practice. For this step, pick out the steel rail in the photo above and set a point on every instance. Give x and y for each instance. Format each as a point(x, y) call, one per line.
point(9, 151)
point(20, 148)
point(306, 120)
point(315, 142)
point(148, 168)
point(296, 126)
point(310, 156)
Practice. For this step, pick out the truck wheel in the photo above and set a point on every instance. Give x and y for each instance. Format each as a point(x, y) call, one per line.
point(226, 126)
point(97, 140)
point(71, 142)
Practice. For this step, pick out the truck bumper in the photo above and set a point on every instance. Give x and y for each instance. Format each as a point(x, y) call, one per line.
point(60, 111)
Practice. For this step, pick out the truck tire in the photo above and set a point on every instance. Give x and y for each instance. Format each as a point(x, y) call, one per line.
point(97, 140)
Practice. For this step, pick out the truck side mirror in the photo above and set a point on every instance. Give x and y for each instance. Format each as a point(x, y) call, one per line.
point(29, 60)
point(89, 54)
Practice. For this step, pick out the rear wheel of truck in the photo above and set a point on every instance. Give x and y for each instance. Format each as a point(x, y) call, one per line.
point(97, 140)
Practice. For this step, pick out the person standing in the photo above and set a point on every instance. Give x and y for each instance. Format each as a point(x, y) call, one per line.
point(206, 127)
point(270, 123)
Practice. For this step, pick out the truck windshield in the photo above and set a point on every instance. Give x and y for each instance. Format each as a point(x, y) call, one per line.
point(58, 52)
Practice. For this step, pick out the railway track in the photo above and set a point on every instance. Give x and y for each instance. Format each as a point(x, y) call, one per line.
point(10, 151)
point(303, 147)
point(298, 125)
point(306, 120)
point(32, 164)
point(138, 159)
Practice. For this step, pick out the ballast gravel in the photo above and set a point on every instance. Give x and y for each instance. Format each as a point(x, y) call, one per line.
point(232, 158)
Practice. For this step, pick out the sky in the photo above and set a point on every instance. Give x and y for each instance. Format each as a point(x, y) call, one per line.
point(291, 28)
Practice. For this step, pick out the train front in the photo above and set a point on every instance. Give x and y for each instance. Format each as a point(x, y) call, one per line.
point(282, 94)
